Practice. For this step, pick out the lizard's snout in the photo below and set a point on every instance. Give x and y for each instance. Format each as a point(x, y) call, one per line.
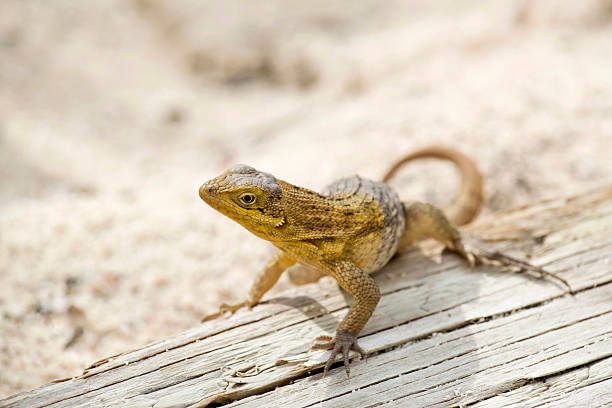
point(206, 190)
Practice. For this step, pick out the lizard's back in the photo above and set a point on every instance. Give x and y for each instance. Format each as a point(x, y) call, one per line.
point(386, 200)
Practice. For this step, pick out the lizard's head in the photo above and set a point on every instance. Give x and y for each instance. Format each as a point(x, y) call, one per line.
point(250, 197)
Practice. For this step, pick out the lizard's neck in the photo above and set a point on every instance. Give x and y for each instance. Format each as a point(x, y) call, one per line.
point(310, 215)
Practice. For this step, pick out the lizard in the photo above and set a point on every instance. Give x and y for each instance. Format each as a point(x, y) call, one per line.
point(350, 230)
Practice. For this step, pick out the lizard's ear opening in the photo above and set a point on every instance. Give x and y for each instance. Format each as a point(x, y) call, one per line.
point(281, 222)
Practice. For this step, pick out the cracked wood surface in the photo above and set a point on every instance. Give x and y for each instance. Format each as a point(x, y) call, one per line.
point(442, 335)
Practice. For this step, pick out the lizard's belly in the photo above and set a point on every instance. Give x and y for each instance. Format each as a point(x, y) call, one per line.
point(375, 247)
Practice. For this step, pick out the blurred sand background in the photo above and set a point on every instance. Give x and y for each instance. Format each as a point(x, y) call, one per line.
point(112, 113)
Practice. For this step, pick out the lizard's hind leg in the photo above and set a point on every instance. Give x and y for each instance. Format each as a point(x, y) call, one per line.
point(424, 220)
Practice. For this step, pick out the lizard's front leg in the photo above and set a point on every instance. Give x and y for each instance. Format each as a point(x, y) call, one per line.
point(366, 296)
point(265, 279)
point(302, 274)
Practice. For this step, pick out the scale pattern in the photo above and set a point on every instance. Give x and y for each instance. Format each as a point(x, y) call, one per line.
point(389, 203)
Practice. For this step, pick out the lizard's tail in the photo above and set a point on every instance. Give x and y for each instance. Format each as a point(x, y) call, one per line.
point(468, 201)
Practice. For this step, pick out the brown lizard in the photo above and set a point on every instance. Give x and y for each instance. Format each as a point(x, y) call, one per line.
point(348, 232)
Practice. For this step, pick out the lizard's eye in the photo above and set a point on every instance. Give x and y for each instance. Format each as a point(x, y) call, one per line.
point(247, 199)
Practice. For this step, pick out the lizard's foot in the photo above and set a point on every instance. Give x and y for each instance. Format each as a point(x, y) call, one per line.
point(225, 308)
point(343, 342)
point(460, 248)
point(498, 259)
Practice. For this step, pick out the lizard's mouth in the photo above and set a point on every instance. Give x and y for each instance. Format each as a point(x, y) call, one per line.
point(209, 193)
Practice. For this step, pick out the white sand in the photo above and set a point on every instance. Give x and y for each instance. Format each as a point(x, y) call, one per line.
point(112, 114)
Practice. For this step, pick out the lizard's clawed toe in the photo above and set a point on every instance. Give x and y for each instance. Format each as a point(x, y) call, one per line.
point(498, 259)
point(227, 308)
point(343, 343)
point(469, 255)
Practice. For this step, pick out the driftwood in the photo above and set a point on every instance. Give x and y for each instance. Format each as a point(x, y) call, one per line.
point(442, 335)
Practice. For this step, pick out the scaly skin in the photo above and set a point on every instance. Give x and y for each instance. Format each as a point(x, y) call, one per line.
point(348, 232)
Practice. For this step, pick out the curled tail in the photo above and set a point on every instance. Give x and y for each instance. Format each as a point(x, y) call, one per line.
point(468, 201)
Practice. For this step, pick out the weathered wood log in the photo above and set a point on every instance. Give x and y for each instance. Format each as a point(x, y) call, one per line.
point(442, 335)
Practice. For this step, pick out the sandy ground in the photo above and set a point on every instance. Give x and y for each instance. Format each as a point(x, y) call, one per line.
point(112, 113)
